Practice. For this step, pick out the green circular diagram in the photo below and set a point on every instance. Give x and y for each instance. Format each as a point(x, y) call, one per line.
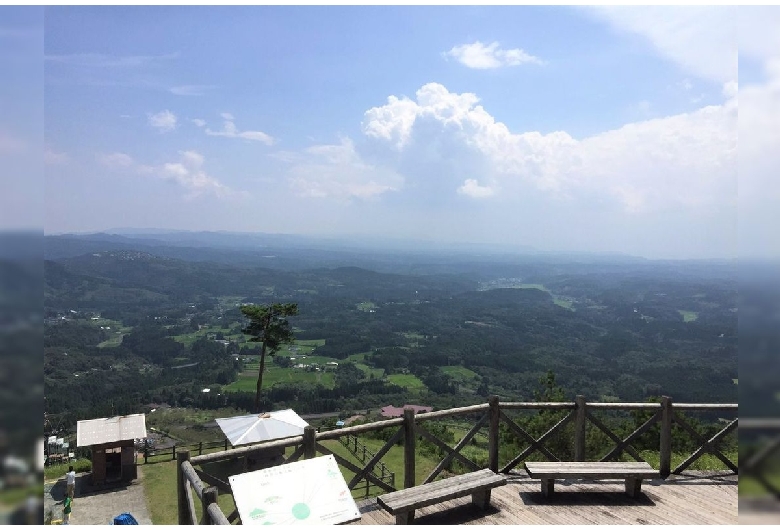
point(301, 511)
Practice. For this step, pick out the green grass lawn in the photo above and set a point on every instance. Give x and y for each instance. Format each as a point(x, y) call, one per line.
point(750, 487)
point(408, 381)
point(366, 306)
point(688, 316)
point(460, 373)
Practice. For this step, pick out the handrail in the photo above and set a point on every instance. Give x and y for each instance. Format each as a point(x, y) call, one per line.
point(489, 415)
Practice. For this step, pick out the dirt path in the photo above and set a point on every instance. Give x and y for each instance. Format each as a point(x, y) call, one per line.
point(98, 506)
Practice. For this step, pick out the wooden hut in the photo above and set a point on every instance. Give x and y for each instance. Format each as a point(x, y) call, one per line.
point(112, 444)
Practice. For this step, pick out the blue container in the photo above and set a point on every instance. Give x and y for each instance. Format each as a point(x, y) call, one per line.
point(124, 518)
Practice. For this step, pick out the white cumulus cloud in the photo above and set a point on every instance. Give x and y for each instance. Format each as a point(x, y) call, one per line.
point(116, 160)
point(164, 121)
point(337, 171)
point(481, 56)
point(472, 188)
point(55, 158)
point(198, 122)
point(229, 130)
point(700, 39)
point(683, 160)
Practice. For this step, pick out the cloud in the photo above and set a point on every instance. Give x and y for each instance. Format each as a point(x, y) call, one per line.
point(229, 130)
point(54, 158)
point(10, 144)
point(164, 121)
point(683, 160)
point(471, 188)
point(759, 135)
point(336, 171)
point(702, 40)
point(125, 116)
point(198, 122)
point(480, 56)
point(100, 60)
point(187, 171)
point(116, 160)
point(190, 90)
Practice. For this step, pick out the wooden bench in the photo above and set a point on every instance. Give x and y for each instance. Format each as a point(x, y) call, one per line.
point(478, 484)
point(631, 472)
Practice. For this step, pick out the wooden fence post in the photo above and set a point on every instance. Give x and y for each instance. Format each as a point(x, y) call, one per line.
point(579, 429)
point(409, 443)
point(184, 513)
point(495, 417)
point(665, 466)
point(200, 448)
point(226, 442)
point(309, 442)
point(174, 452)
point(210, 495)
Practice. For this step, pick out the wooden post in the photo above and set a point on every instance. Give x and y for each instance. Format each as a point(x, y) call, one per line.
point(174, 452)
point(226, 442)
point(309, 442)
point(209, 496)
point(665, 466)
point(579, 429)
point(146, 451)
point(409, 443)
point(200, 448)
point(495, 418)
point(184, 514)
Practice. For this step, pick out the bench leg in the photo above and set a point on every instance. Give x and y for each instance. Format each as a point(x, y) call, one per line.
point(633, 486)
point(547, 486)
point(481, 498)
point(404, 518)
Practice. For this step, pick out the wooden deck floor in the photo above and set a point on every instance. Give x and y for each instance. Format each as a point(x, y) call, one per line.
point(691, 498)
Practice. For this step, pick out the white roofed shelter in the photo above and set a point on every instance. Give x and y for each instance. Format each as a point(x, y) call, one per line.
point(256, 428)
point(112, 444)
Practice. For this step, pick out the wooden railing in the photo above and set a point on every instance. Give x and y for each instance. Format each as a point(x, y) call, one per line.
point(197, 446)
point(755, 460)
point(364, 454)
point(490, 415)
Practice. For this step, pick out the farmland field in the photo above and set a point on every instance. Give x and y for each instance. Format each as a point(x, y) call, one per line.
point(688, 316)
point(408, 381)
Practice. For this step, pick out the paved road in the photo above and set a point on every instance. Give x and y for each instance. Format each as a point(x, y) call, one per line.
point(99, 506)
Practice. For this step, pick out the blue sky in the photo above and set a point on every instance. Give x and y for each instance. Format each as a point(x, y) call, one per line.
point(562, 128)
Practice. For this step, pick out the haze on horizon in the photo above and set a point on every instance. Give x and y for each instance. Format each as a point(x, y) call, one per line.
point(559, 128)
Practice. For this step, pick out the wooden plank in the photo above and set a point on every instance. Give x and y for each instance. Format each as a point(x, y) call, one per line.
point(357, 429)
point(295, 455)
point(247, 450)
point(706, 445)
point(622, 445)
point(592, 470)
point(539, 443)
point(449, 413)
point(371, 463)
point(451, 452)
point(211, 480)
point(535, 444)
point(217, 517)
point(614, 437)
point(193, 517)
point(555, 405)
point(352, 467)
point(192, 477)
point(437, 492)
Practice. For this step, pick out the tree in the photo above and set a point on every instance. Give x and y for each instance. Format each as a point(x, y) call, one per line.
point(268, 324)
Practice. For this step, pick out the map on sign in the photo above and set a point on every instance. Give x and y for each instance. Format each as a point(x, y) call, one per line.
point(307, 492)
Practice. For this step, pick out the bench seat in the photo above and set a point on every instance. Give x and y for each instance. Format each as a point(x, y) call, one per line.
point(404, 502)
point(631, 472)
